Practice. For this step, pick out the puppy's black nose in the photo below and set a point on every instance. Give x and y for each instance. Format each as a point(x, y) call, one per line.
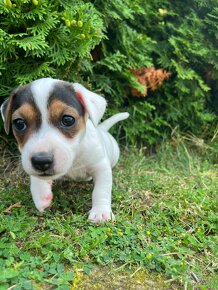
point(42, 161)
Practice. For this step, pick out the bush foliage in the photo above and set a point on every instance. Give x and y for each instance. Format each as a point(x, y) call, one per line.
point(104, 44)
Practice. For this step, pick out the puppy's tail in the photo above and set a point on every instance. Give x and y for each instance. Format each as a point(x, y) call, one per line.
point(107, 124)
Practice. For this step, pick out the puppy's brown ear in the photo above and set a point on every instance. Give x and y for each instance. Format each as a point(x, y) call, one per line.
point(6, 111)
point(94, 104)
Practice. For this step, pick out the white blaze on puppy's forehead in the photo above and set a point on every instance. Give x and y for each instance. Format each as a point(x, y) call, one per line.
point(41, 90)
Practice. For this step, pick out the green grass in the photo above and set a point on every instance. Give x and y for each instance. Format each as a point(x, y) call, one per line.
point(165, 234)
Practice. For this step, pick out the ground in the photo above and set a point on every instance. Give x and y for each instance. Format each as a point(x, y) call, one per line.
point(164, 237)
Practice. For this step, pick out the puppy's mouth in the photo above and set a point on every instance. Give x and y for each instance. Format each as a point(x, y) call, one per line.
point(47, 175)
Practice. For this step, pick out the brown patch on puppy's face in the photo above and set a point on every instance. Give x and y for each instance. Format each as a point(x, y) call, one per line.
point(65, 111)
point(66, 118)
point(25, 121)
point(26, 118)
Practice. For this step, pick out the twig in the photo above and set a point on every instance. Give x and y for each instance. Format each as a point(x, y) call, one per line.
point(16, 205)
point(194, 276)
point(170, 280)
point(121, 267)
point(12, 287)
point(133, 274)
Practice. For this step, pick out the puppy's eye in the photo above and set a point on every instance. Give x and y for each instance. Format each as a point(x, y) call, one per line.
point(20, 125)
point(67, 121)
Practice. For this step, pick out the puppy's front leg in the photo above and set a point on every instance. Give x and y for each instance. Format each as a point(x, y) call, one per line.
point(41, 192)
point(101, 196)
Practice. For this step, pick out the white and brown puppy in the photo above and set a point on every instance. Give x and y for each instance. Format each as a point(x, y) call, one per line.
point(56, 126)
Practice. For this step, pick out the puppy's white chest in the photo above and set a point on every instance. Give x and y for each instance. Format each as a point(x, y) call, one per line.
point(79, 173)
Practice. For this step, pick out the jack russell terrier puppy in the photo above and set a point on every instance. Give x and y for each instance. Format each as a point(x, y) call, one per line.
point(56, 125)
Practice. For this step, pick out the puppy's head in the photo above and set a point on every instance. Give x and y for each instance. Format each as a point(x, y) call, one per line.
point(48, 119)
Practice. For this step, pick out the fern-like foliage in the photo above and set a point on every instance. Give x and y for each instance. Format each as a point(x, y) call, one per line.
point(43, 38)
point(105, 44)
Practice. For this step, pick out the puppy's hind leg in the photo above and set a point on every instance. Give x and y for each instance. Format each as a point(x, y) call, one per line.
point(41, 192)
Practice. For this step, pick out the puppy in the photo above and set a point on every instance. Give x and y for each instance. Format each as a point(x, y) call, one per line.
point(56, 125)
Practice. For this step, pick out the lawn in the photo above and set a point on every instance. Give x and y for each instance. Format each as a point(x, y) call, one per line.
point(164, 237)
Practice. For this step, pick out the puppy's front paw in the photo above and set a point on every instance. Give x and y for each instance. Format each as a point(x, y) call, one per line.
point(101, 214)
point(43, 201)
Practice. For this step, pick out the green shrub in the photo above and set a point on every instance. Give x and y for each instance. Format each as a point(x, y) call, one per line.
point(103, 43)
point(45, 38)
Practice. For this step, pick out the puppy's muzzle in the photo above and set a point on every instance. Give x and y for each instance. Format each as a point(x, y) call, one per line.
point(42, 161)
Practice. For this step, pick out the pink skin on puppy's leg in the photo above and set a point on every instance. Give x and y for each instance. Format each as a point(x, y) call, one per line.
point(41, 192)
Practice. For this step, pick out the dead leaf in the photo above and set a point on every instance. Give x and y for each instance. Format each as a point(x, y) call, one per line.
point(8, 210)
